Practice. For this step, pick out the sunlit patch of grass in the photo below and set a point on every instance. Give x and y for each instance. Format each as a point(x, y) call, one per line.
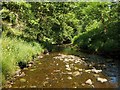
point(15, 50)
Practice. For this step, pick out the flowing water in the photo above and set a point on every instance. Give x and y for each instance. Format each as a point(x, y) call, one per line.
point(64, 70)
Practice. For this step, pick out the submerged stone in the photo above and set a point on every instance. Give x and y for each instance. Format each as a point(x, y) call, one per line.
point(89, 81)
point(69, 77)
point(22, 80)
point(96, 71)
point(102, 80)
point(76, 73)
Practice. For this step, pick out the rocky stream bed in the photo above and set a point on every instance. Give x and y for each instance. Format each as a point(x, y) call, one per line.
point(61, 70)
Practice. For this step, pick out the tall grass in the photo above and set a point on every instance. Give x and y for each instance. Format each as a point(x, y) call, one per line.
point(15, 50)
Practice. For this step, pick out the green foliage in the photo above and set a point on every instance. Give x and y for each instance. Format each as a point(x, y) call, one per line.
point(15, 50)
point(101, 31)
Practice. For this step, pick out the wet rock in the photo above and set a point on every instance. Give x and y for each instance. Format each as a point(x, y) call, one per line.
point(66, 60)
point(25, 69)
point(39, 57)
point(69, 77)
point(102, 80)
point(47, 53)
point(88, 70)
point(83, 84)
point(80, 70)
point(33, 86)
point(47, 78)
point(77, 61)
point(67, 66)
point(76, 73)
point(56, 71)
point(22, 80)
point(69, 73)
point(96, 75)
point(17, 72)
point(32, 70)
point(89, 81)
point(76, 68)
point(22, 74)
point(69, 69)
point(71, 65)
point(29, 65)
point(96, 71)
point(45, 82)
point(39, 63)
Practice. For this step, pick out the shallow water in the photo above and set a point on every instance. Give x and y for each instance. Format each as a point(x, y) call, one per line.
point(51, 72)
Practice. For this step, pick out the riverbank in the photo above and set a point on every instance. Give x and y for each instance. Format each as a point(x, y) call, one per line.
point(14, 51)
point(61, 70)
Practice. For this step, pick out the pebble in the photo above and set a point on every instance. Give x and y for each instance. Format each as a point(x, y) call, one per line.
point(69, 73)
point(25, 69)
point(44, 83)
point(56, 71)
point(29, 65)
point(22, 80)
point(69, 78)
point(22, 74)
point(39, 57)
point(96, 71)
point(102, 80)
point(67, 66)
point(76, 73)
point(89, 81)
point(33, 86)
point(88, 70)
point(68, 69)
point(83, 84)
point(80, 70)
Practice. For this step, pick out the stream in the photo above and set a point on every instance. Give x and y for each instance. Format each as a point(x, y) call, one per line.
point(68, 69)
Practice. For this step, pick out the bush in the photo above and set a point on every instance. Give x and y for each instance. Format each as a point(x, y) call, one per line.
point(15, 50)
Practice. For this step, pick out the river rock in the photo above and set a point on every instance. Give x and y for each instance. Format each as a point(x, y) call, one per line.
point(76, 73)
point(83, 84)
point(76, 68)
point(102, 80)
point(88, 70)
point(89, 81)
point(69, 69)
point(29, 65)
point(56, 71)
point(17, 72)
point(22, 74)
point(67, 66)
point(80, 70)
point(30, 62)
point(69, 77)
point(32, 70)
point(96, 75)
point(45, 82)
point(25, 69)
point(22, 80)
point(33, 86)
point(39, 57)
point(69, 73)
point(96, 71)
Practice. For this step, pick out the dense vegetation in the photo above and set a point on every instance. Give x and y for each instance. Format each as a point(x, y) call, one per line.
point(90, 26)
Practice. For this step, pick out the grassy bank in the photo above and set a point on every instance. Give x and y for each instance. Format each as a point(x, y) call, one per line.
point(15, 50)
